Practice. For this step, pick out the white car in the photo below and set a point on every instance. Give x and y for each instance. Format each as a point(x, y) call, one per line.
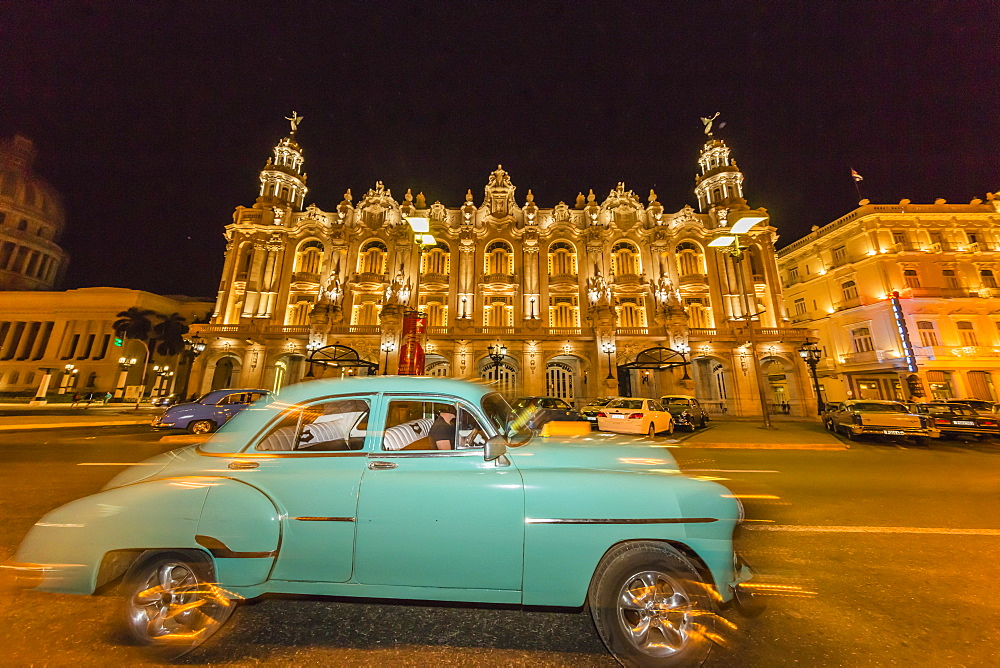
point(635, 415)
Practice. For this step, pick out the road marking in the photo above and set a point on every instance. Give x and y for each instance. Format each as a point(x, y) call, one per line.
point(733, 470)
point(119, 464)
point(844, 529)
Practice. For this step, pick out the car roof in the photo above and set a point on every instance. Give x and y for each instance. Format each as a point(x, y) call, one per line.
point(218, 394)
point(469, 390)
point(872, 401)
point(676, 396)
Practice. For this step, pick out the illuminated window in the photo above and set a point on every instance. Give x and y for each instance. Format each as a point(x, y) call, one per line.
point(987, 278)
point(950, 279)
point(849, 289)
point(862, 338)
point(498, 311)
point(967, 333)
point(372, 258)
point(625, 259)
point(564, 311)
point(690, 259)
point(308, 257)
point(699, 315)
point(928, 337)
point(499, 258)
point(910, 278)
point(436, 309)
point(436, 260)
point(366, 310)
point(800, 306)
point(631, 312)
point(562, 259)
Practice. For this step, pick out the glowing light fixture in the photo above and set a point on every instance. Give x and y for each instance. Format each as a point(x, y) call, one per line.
point(420, 225)
point(722, 241)
point(427, 240)
point(743, 225)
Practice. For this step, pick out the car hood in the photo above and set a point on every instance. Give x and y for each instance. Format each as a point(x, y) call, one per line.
point(148, 468)
point(609, 452)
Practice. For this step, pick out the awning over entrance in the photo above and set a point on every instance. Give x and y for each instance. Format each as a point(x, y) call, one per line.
point(337, 356)
point(657, 358)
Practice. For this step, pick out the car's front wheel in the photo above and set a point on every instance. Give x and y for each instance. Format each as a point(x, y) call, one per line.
point(172, 605)
point(650, 606)
point(201, 427)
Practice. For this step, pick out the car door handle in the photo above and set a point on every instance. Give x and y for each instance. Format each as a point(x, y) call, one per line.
point(244, 465)
point(375, 466)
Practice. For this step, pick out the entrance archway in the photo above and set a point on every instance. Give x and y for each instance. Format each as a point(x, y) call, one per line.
point(226, 372)
point(642, 376)
point(336, 361)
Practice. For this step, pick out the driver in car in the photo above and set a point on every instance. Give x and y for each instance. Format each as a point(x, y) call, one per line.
point(443, 433)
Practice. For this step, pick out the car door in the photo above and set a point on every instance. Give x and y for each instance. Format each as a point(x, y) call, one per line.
point(437, 518)
point(309, 462)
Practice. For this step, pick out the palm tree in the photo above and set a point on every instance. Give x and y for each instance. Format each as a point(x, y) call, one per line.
point(169, 334)
point(134, 323)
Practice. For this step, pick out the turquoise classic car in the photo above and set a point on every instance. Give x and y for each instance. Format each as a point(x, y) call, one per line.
point(402, 488)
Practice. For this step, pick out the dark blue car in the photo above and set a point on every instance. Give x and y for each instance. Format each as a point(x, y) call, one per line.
point(210, 412)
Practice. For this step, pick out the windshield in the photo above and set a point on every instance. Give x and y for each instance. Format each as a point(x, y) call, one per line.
point(957, 409)
point(879, 408)
point(675, 401)
point(523, 402)
point(600, 401)
point(631, 404)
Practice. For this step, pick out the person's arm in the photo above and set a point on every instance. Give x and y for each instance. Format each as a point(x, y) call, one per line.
point(443, 445)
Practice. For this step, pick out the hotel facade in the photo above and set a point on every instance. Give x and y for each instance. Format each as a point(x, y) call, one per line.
point(604, 296)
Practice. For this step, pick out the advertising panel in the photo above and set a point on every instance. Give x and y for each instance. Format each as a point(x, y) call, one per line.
point(411, 347)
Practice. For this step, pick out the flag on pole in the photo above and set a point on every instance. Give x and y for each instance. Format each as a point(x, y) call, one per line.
point(857, 177)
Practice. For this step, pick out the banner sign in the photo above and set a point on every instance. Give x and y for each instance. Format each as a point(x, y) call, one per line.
point(411, 347)
point(904, 334)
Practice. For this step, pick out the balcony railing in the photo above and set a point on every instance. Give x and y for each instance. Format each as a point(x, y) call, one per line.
point(949, 293)
point(495, 330)
point(866, 356)
point(563, 331)
point(369, 277)
point(305, 277)
point(631, 331)
point(939, 352)
point(981, 247)
point(356, 329)
point(853, 302)
point(498, 278)
point(287, 329)
point(989, 292)
point(564, 278)
point(693, 279)
point(222, 329)
point(906, 247)
point(628, 279)
point(434, 278)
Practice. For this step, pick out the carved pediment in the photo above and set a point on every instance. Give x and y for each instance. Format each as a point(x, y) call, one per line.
point(376, 205)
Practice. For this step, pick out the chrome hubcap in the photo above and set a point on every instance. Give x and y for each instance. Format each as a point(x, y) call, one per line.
point(656, 614)
point(200, 427)
point(171, 605)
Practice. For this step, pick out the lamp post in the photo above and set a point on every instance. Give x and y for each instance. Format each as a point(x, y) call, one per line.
point(729, 242)
point(497, 353)
point(387, 347)
point(811, 355)
point(162, 373)
point(311, 348)
point(69, 374)
point(684, 349)
point(608, 347)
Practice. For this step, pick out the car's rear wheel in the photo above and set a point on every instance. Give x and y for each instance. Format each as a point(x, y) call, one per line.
point(652, 430)
point(201, 427)
point(651, 607)
point(172, 605)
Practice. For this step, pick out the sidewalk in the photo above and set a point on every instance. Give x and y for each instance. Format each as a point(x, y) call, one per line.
point(56, 416)
point(788, 434)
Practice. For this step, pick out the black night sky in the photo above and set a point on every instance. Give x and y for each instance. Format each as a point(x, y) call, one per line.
point(153, 118)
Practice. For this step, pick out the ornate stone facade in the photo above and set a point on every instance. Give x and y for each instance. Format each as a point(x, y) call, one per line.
point(575, 292)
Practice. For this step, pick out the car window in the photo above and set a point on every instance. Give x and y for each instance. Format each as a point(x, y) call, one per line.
point(878, 408)
point(498, 412)
point(655, 406)
point(337, 425)
point(415, 424)
point(676, 401)
point(629, 404)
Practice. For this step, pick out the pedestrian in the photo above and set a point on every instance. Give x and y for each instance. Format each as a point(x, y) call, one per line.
point(90, 398)
point(76, 399)
point(107, 398)
point(786, 407)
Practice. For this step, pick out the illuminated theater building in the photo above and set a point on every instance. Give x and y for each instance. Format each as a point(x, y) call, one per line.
point(905, 299)
point(605, 296)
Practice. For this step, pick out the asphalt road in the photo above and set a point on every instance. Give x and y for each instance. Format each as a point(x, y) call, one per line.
point(879, 555)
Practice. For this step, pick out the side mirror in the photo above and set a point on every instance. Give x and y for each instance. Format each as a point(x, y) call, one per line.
point(495, 448)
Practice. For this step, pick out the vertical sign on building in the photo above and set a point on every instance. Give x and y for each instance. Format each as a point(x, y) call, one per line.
point(411, 349)
point(904, 334)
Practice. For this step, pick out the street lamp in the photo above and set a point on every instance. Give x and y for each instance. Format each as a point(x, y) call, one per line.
point(311, 348)
point(729, 242)
point(810, 354)
point(196, 345)
point(69, 374)
point(163, 373)
point(387, 347)
point(124, 364)
point(608, 347)
point(683, 349)
point(497, 353)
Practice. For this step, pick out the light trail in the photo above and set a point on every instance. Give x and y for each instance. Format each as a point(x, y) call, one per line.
point(859, 529)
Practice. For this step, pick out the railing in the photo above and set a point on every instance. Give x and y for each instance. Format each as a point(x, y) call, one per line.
point(981, 247)
point(356, 329)
point(782, 332)
point(631, 331)
point(711, 332)
point(435, 278)
point(906, 247)
point(498, 278)
point(495, 330)
point(287, 329)
point(758, 278)
point(563, 331)
point(369, 277)
point(865, 356)
point(438, 330)
point(241, 276)
point(305, 277)
point(628, 279)
point(564, 278)
point(222, 328)
point(853, 302)
point(938, 352)
point(989, 292)
point(917, 293)
point(688, 279)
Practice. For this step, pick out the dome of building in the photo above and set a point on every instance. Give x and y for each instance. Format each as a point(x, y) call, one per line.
point(31, 222)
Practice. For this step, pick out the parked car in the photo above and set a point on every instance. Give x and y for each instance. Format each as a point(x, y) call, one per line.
point(957, 419)
point(687, 412)
point(165, 400)
point(978, 405)
point(594, 407)
point(533, 412)
point(210, 412)
point(635, 415)
point(829, 408)
point(322, 493)
point(870, 417)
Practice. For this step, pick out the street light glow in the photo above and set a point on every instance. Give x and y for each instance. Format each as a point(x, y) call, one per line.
point(743, 225)
point(722, 241)
point(418, 224)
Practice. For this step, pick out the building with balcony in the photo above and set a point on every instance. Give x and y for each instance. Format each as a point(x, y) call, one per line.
point(937, 264)
point(31, 222)
point(604, 296)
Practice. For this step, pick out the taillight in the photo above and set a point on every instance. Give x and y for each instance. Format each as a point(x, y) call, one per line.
point(635, 416)
point(602, 414)
point(988, 423)
point(941, 421)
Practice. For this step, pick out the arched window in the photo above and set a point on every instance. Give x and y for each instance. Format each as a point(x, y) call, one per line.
point(503, 377)
point(499, 258)
point(911, 278)
point(690, 259)
point(562, 259)
point(625, 259)
point(559, 380)
point(440, 369)
point(436, 260)
point(373, 257)
point(631, 312)
point(307, 259)
point(246, 262)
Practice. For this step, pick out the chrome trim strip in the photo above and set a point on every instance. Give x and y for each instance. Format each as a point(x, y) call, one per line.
point(265, 454)
point(220, 550)
point(414, 454)
point(325, 519)
point(652, 520)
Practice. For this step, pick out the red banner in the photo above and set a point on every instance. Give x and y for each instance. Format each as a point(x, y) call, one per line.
point(411, 347)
